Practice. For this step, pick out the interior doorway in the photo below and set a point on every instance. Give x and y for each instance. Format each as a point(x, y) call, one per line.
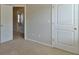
point(18, 22)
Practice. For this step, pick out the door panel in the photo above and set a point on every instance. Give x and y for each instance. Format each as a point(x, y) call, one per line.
point(65, 37)
point(6, 22)
point(66, 27)
point(65, 14)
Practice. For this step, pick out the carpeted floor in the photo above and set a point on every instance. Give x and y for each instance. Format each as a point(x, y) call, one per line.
point(26, 47)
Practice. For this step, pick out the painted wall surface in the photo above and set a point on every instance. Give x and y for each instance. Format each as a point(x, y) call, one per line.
point(39, 23)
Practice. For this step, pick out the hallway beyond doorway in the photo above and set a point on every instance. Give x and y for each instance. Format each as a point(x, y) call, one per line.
point(18, 35)
point(18, 22)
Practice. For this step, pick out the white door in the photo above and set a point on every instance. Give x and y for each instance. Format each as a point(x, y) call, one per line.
point(0, 23)
point(6, 23)
point(66, 27)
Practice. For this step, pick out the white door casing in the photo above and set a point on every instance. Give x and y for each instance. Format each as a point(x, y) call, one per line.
point(0, 23)
point(66, 27)
point(7, 23)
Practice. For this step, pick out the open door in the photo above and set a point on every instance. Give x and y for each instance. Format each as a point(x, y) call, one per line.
point(6, 23)
point(66, 27)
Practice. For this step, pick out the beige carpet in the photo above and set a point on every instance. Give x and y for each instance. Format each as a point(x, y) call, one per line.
point(25, 47)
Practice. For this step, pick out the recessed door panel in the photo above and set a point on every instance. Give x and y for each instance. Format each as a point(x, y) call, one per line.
point(65, 37)
point(65, 14)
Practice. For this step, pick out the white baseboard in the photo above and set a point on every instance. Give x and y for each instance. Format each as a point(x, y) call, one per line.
point(40, 42)
point(5, 41)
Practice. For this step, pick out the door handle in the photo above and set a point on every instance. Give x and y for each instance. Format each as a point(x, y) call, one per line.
point(75, 28)
point(1, 25)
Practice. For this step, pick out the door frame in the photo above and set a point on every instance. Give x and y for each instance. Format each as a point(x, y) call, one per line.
point(24, 17)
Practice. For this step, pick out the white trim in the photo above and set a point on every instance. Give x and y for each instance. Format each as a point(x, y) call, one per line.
point(25, 30)
point(0, 23)
point(40, 42)
point(17, 5)
point(5, 41)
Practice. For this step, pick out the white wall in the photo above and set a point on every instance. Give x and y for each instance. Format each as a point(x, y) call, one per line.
point(39, 23)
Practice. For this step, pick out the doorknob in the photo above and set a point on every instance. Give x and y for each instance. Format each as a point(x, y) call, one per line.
point(75, 28)
point(1, 25)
